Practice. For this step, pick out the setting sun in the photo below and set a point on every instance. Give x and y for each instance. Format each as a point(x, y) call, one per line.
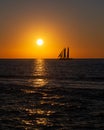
point(39, 42)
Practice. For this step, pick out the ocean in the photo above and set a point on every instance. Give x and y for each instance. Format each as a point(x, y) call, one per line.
point(52, 94)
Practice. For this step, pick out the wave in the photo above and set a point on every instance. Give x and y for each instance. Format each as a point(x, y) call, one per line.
point(75, 78)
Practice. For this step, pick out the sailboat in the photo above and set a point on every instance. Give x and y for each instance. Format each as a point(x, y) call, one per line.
point(64, 54)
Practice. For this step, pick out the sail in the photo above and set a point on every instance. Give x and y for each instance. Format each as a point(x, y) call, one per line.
point(64, 54)
point(61, 54)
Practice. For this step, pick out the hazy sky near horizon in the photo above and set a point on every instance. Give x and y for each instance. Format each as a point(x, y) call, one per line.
point(78, 24)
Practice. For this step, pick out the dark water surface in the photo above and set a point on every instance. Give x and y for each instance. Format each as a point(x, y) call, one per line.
point(52, 94)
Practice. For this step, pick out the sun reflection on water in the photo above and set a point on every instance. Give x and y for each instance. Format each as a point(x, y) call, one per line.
point(39, 69)
point(39, 74)
point(41, 121)
point(39, 117)
point(40, 82)
point(42, 99)
point(38, 114)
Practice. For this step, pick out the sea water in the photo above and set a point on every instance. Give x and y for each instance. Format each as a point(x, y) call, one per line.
point(52, 94)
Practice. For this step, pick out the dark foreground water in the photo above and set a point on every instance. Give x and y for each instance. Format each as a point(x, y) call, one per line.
point(52, 94)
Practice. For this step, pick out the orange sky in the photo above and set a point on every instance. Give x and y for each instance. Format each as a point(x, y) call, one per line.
point(59, 24)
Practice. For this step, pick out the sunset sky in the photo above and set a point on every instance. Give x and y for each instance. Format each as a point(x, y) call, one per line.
point(78, 24)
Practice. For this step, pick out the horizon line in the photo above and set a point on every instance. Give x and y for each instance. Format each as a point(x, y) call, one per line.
point(49, 58)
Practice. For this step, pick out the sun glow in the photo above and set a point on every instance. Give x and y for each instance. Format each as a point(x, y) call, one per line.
point(39, 42)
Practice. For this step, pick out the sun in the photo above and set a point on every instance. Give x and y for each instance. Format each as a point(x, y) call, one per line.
point(39, 42)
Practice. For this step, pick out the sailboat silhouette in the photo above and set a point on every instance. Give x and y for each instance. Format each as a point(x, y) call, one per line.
point(64, 54)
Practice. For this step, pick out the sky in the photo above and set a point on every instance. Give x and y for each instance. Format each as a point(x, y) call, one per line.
point(78, 24)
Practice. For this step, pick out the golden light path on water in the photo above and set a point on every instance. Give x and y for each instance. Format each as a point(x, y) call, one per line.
point(39, 71)
point(39, 110)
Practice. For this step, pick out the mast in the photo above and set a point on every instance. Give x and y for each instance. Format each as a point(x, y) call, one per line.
point(68, 52)
point(64, 53)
